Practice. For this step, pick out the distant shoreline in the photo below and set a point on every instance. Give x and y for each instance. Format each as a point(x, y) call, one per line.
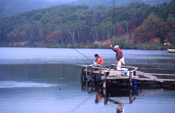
point(165, 48)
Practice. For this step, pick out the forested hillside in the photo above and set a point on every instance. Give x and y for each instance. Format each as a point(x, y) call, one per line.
point(12, 7)
point(82, 26)
point(94, 3)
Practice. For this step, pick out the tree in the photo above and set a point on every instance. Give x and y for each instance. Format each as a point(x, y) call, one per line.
point(106, 28)
point(152, 27)
point(86, 31)
point(133, 24)
point(126, 24)
point(40, 29)
point(169, 9)
point(120, 31)
point(115, 28)
point(142, 35)
point(13, 34)
point(170, 29)
point(73, 18)
point(94, 31)
point(53, 37)
point(29, 29)
point(89, 19)
point(170, 24)
point(21, 36)
point(79, 29)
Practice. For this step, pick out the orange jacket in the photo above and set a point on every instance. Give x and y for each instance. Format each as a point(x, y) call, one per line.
point(99, 61)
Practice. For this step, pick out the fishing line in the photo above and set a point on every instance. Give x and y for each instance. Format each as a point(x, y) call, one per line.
point(81, 53)
point(80, 104)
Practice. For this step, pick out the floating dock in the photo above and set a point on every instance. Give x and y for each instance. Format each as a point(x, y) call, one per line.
point(129, 76)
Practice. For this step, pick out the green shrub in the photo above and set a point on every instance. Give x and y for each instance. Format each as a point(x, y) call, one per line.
point(96, 45)
point(69, 46)
point(89, 42)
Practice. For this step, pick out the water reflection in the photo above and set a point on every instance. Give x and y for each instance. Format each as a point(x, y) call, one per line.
point(39, 73)
point(53, 88)
point(119, 96)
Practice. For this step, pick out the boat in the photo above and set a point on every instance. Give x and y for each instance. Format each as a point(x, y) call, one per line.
point(171, 50)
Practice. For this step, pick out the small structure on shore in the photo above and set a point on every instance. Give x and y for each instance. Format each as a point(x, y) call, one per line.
point(171, 50)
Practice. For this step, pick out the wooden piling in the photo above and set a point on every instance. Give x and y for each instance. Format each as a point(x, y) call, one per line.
point(130, 79)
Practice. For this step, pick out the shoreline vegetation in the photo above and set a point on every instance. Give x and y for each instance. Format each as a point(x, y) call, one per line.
point(96, 45)
point(122, 42)
point(136, 26)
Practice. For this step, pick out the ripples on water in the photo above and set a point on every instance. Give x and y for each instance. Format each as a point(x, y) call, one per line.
point(15, 84)
point(47, 80)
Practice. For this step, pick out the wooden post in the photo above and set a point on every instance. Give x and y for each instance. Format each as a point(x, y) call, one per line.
point(120, 108)
point(82, 85)
point(82, 75)
point(130, 79)
point(105, 97)
point(104, 81)
point(91, 74)
point(87, 88)
point(130, 96)
point(99, 70)
point(86, 73)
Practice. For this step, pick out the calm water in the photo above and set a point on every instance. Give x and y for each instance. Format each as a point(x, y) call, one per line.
point(47, 80)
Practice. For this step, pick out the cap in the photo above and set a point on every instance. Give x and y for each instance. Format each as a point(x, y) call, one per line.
point(116, 46)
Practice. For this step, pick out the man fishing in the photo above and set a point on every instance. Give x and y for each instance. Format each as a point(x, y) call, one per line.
point(119, 56)
point(99, 61)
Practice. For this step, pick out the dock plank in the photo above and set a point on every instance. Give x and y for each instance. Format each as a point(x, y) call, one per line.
point(147, 79)
point(161, 74)
point(148, 75)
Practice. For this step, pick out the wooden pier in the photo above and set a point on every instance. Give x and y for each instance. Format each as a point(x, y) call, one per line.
point(110, 77)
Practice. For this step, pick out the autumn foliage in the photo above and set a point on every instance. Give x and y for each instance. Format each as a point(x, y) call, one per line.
point(151, 28)
point(120, 31)
point(51, 38)
point(66, 25)
point(170, 29)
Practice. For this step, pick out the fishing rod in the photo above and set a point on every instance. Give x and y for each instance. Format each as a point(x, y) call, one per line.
point(82, 54)
point(113, 21)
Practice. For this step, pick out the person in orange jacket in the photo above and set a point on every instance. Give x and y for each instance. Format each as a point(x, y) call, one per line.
point(99, 61)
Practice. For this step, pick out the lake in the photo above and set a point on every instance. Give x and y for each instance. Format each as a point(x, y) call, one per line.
point(47, 80)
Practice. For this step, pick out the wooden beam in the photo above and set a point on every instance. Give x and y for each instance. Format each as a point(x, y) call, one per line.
point(147, 79)
point(161, 74)
point(148, 76)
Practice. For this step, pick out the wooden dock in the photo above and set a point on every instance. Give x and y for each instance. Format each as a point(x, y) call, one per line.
point(110, 77)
